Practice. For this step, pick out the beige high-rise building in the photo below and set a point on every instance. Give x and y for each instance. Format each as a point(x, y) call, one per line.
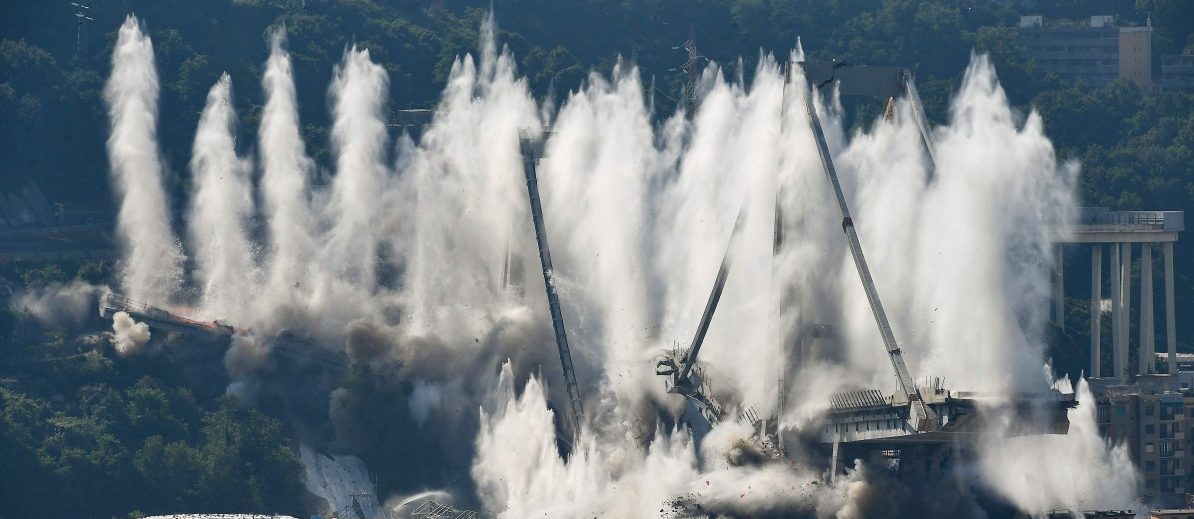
point(1096, 52)
point(1136, 56)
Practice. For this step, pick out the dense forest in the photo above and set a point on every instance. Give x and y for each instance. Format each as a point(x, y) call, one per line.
point(86, 435)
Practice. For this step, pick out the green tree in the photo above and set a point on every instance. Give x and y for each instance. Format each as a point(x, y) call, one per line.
point(252, 466)
point(151, 412)
point(174, 474)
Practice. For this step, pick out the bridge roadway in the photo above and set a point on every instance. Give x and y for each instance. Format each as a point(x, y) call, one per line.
point(284, 342)
point(1121, 232)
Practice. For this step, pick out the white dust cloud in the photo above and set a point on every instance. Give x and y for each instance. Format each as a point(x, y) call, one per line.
point(422, 251)
point(129, 334)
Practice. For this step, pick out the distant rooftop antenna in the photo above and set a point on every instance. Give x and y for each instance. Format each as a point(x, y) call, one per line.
point(691, 69)
point(651, 97)
point(81, 20)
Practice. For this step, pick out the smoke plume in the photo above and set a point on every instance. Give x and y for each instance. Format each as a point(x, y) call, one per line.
point(59, 303)
point(246, 356)
point(130, 335)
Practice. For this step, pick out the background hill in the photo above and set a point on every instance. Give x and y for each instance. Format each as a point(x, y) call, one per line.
point(83, 435)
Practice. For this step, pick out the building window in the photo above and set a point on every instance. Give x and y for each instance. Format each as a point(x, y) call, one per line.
point(1149, 410)
point(1120, 412)
point(1167, 449)
point(1148, 447)
point(1150, 466)
point(1149, 429)
point(1103, 415)
point(1168, 412)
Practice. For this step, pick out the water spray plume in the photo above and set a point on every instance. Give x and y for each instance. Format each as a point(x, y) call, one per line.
point(153, 258)
point(638, 213)
point(359, 90)
point(220, 208)
point(285, 182)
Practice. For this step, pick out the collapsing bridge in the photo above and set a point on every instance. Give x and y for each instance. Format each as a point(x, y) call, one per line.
point(914, 421)
point(285, 343)
point(913, 414)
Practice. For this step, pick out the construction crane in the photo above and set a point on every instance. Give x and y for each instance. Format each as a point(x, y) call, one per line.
point(923, 418)
point(702, 410)
point(899, 427)
point(875, 81)
point(684, 376)
point(529, 159)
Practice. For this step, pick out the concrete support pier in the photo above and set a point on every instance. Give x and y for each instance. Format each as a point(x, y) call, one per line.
point(1170, 322)
point(1096, 311)
point(1125, 311)
point(1147, 345)
point(1120, 231)
point(1116, 308)
point(1059, 287)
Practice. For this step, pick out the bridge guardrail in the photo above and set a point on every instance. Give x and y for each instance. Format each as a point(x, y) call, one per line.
point(1097, 218)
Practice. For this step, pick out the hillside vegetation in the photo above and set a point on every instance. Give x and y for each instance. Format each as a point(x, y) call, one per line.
point(84, 433)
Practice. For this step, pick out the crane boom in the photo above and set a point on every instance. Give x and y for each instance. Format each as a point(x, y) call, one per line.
point(719, 284)
point(923, 417)
point(874, 81)
point(527, 147)
point(922, 120)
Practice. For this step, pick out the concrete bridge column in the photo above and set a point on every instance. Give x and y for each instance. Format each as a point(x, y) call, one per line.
point(1116, 311)
point(1147, 344)
point(1125, 299)
point(1059, 287)
point(1170, 323)
point(1096, 310)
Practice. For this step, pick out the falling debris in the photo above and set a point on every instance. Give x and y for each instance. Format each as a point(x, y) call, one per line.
point(417, 262)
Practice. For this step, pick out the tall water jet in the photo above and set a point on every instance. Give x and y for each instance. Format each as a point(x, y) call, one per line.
point(984, 246)
point(358, 91)
point(601, 163)
point(286, 171)
point(465, 240)
point(220, 208)
point(465, 183)
point(730, 164)
point(152, 270)
point(638, 214)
